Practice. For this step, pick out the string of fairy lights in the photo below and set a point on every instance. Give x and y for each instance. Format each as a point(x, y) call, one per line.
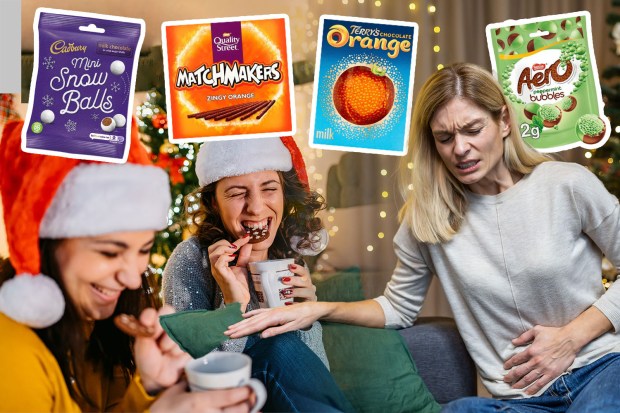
point(411, 11)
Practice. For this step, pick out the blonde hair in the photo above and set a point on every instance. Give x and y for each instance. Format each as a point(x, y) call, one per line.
point(435, 202)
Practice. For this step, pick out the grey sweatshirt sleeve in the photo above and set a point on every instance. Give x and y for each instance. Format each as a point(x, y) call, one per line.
point(599, 212)
point(404, 294)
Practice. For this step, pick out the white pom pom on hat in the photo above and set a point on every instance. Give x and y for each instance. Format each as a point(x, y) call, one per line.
point(223, 159)
point(52, 197)
point(32, 300)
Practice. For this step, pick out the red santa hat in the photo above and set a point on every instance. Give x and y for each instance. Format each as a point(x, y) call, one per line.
point(52, 197)
point(222, 159)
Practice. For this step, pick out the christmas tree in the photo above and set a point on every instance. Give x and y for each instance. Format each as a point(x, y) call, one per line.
point(605, 161)
point(178, 161)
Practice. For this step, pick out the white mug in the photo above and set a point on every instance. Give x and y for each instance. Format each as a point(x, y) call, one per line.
point(267, 276)
point(224, 370)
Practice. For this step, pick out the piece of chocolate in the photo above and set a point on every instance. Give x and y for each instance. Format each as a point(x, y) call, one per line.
point(260, 115)
point(130, 325)
point(108, 124)
point(257, 234)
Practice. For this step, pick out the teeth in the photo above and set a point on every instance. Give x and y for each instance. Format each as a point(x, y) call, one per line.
point(256, 225)
point(102, 291)
point(466, 165)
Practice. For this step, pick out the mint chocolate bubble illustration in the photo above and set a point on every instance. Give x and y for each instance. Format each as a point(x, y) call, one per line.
point(590, 128)
point(511, 44)
point(550, 114)
point(568, 103)
point(531, 109)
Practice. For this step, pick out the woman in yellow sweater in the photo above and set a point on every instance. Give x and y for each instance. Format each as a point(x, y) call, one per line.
point(79, 236)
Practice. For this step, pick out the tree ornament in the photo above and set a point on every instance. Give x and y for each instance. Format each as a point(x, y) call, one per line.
point(159, 120)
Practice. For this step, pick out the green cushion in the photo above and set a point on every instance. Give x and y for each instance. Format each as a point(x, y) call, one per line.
point(343, 286)
point(198, 332)
point(372, 366)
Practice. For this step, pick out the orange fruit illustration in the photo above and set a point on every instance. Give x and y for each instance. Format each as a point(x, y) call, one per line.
point(363, 95)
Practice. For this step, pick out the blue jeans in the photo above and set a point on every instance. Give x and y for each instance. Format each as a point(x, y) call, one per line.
point(295, 378)
point(593, 388)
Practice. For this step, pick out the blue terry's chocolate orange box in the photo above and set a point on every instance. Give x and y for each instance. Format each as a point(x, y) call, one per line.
point(363, 85)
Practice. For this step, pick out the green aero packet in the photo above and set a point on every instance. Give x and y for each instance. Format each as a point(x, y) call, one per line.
point(547, 70)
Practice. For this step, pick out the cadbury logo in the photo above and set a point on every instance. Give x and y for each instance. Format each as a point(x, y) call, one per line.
point(60, 46)
point(542, 78)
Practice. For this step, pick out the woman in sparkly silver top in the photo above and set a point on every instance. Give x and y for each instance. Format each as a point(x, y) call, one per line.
point(255, 204)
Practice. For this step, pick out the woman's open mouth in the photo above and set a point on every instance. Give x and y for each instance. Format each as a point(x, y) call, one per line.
point(466, 167)
point(258, 230)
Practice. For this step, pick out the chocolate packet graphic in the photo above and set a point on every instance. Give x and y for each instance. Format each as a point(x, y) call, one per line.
point(363, 85)
point(82, 86)
point(547, 70)
point(227, 78)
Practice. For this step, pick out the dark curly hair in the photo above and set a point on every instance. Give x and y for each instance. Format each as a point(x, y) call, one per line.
point(299, 218)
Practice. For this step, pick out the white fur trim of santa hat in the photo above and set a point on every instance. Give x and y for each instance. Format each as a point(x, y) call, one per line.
point(222, 159)
point(32, 300)
point(97, 199)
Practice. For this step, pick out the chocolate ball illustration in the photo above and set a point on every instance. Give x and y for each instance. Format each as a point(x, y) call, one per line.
point(550, 27)
point(591, 129)
point(117, 67)
point(512, 44)
point(108, 124)
point(47, 116)
point(550, 114)
point(531, 109)
point(568, 103)
point(119, 120)
point(363, 96)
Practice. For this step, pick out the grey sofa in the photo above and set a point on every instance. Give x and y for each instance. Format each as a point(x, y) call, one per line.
point(441, 358)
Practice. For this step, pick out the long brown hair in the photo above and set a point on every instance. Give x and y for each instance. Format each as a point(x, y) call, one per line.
point(435, 200)
point(299, 217)
point(107, 348)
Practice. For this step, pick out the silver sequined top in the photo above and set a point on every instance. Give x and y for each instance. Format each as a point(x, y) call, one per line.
point(188, 285)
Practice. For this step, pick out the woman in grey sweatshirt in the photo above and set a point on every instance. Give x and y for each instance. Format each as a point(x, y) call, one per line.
point(515, 239)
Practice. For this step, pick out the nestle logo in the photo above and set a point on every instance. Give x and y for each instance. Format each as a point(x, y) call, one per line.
point(539, 66)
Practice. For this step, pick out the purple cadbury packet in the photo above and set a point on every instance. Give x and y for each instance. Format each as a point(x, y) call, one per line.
point(81, 94)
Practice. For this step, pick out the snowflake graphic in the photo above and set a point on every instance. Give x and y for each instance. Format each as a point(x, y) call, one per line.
point(48, 62)
point(48, 101)
point(94, 116)
point(71, 126)
point(115, 87)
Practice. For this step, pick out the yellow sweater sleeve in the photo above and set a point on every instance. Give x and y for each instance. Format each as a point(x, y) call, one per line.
point(30, 378)
point(135, 398)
